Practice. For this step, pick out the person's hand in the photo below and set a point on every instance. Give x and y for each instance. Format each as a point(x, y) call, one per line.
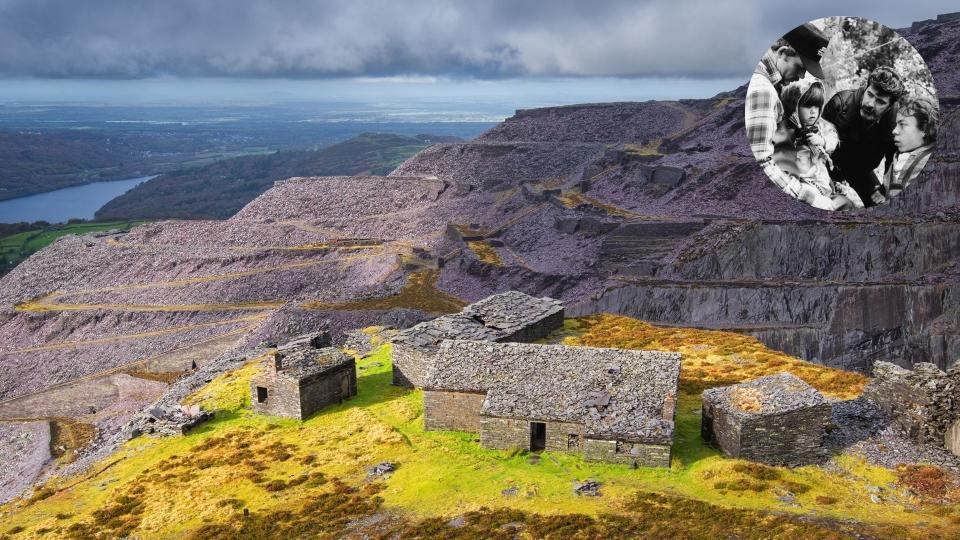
point(816, 139)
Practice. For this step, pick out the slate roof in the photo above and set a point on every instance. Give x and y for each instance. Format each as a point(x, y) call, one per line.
point(774, 394)
point(305, 364)
point(494, 318)
point(615, 393)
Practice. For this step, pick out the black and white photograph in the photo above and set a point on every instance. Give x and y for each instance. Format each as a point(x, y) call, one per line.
point(842, 113)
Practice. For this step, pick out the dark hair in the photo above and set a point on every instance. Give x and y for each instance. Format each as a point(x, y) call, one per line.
point(813, 97)
point(783, 43)
point(792, 99)
point(927, 114)
point(887, 81)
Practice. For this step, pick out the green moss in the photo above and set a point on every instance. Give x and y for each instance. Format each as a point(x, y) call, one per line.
point(292, 476)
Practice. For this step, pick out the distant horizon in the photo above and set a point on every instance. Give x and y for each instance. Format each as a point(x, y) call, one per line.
point(382, 93)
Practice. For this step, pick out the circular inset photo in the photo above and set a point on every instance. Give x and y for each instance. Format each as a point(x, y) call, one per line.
point(842, 113)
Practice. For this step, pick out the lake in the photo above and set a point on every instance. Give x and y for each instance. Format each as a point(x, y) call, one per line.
point(60, 205)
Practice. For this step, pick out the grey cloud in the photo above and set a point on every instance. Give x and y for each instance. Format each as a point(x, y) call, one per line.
point(337, 38)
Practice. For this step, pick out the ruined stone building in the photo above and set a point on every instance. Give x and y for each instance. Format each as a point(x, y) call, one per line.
point(312, 340)
point(778, 419)
point(611, 405)
point(506, 317)
point(924, 403)
point(302, 381)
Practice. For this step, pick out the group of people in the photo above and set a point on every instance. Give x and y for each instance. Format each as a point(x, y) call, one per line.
point(828, 152)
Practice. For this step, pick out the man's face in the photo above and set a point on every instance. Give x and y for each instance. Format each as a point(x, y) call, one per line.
point(790, 67)
point(873, 104)
point(907, 135)
point(808, 115)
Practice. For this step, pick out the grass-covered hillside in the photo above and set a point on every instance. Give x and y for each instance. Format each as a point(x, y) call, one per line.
point(249, 476)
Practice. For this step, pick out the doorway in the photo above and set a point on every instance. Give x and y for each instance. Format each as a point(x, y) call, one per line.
point(538, 436)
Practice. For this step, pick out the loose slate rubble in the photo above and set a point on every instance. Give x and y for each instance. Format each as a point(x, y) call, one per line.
point(381, 469)
point(923, 404)
point(301, 381)
point(778, 419)
point(612, 405)
point(173, 421)
point(589, 488)
point(506, 317)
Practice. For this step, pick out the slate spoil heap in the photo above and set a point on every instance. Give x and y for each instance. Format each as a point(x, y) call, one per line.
point(507, 317)
point(612, 405)
point(778, 419)
point(923, 404)
point(303, 381)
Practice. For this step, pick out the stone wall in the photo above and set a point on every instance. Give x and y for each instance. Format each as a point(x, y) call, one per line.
point(410, 365)
point(330, 388)
point(283, 396)
point(294, 399)
point(924, 403)
point(785, 438)
point(952, 438)
point(504, 433)
point(644, 455)
point(793, 438)
point(458, 411)
point(564, 437)
point(720, 429)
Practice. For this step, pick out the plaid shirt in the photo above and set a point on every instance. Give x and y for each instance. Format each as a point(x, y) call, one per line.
point(762, 115)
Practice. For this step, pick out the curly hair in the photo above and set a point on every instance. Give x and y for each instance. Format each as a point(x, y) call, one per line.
point(927, 113)
point(783, 43)
point(887, 81)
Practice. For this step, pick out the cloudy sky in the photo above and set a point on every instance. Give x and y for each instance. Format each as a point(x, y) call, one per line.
point(55, 43)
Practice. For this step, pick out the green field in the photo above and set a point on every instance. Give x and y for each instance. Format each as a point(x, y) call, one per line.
point(244, 475)
point(17, 247)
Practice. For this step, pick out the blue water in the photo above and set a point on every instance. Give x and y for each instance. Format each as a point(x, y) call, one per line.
point(60, 205)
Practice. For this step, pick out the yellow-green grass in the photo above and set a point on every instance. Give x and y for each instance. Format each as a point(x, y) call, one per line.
point(485, 252)
point(281, 470)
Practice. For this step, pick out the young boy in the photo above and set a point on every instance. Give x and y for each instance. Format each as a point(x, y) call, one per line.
point(807, 142)
point(914, 136)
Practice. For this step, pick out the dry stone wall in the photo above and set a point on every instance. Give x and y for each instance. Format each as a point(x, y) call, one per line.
point(459, 411)
point(924, 403)
point(777, 419)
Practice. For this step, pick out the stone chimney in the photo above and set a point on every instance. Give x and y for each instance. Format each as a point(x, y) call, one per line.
point(277, 362)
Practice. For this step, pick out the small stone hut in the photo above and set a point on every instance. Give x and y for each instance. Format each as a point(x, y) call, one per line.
point(924, 403)
point(302, 381)
point(778, 419)
point(611, 405)
point(506, 317)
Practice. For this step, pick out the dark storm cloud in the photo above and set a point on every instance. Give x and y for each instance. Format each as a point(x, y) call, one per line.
point(484, 39)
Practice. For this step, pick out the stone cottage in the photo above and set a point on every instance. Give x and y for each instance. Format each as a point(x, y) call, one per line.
point(302, 381)
point(778, 419)
point(924, 403)
point(610, 405)
point(507, 317)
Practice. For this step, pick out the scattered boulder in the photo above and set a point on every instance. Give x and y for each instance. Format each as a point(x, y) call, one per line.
point(381, 469)
point(588, 488)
